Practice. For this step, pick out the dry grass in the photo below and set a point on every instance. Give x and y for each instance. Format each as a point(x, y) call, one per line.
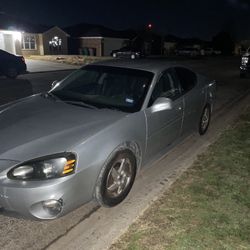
point(70, 59)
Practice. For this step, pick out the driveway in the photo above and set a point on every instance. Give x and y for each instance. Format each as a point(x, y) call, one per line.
point(35, 66)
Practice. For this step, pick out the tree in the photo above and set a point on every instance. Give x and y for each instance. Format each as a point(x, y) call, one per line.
point(223, 41)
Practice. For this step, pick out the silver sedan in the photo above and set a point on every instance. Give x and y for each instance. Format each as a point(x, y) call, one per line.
point(88, 137)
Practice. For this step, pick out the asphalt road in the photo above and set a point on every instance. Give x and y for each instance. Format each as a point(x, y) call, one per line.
point(91, 227)
point(28, 84)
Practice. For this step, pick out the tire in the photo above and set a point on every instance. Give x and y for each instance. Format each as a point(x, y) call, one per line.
point(115, 182)
point(11, 72)
point(243, 74)
point(205, 120)
point(133, 56)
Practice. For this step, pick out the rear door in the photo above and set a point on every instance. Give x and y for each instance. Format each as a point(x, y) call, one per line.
point(193, 98)
point(125, 52)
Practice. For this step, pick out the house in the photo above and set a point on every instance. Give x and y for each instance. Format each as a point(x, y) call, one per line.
point(170, 44)
point(241, 46)
point(23, 38)
point(96, 40)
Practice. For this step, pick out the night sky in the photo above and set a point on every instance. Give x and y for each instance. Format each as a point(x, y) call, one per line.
point(185, 18)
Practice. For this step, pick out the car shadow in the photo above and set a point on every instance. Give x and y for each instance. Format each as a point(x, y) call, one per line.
point(13, 89)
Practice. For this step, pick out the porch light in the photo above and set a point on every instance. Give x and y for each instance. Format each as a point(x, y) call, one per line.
point(17, 36)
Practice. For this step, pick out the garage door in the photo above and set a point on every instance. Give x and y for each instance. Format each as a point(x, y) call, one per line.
point(2, 46)
point(7, 43)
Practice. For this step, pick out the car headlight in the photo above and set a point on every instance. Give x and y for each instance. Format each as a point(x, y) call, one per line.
point(245, 60)
point(45, 168)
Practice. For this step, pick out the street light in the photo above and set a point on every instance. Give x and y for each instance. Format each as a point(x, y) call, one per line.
point(150, 26)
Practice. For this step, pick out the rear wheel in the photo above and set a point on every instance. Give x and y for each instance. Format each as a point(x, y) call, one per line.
point(205, 120)
point(116, 179)
point(11, 72)
point(133, 56)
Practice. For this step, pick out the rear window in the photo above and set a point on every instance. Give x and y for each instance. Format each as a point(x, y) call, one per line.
point(187, 78)
point(4, 53)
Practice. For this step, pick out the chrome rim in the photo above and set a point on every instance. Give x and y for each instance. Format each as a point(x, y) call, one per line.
point(205, 119)
point(119, 177)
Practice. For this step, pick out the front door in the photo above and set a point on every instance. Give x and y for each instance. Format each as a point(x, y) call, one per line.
point(164, 126)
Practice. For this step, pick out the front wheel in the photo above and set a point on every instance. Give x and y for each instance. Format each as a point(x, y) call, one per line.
point(205, 120)
point(116, 179)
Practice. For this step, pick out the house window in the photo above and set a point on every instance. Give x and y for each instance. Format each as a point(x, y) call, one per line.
point(29, 42)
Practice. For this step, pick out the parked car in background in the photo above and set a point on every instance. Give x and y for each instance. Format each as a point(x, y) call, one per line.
point(217, 52)
point(89, 136)
point(208, 51)
point(11, 65)
point(188, 52)
point(127, 52)
point(245, 64)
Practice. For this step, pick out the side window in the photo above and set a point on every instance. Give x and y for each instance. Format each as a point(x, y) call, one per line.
point(165, 87)
point(187, 78)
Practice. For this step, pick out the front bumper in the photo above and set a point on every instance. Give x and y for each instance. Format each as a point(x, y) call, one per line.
point(28, 197)
point(23, 69)
point(245, 68)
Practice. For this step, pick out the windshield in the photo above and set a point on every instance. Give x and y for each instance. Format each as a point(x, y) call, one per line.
point(106, 87)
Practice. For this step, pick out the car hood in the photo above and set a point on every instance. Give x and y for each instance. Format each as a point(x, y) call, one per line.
point(38, 126)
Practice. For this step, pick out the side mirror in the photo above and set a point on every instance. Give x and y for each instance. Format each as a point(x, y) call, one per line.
point(162, 103)
point(54, 84)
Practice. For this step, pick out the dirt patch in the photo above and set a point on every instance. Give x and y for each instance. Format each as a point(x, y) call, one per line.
point(70, 59)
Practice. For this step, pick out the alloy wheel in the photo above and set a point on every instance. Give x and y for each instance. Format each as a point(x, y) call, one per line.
point(119, 177)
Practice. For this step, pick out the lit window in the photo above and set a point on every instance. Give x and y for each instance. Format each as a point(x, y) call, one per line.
point(29, 42)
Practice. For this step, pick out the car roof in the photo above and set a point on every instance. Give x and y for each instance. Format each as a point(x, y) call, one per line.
point(3, 52)
point(151, 65)
point(6, 53)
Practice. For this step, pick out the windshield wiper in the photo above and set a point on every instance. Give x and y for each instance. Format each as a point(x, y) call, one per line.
point(81, 103)
point(112, 108)
point(49, 94)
